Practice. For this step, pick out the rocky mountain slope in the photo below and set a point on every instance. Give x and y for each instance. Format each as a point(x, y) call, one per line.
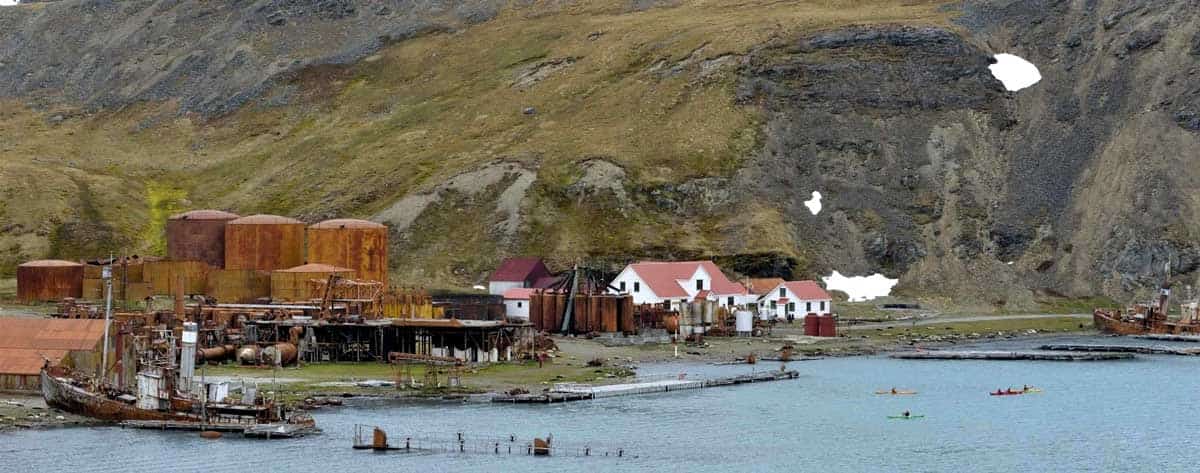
point(609, 130)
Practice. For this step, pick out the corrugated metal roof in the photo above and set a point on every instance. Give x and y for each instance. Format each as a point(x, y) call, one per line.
point(205, 215)
point(27, 362)
point(49, 262)
point(264, 219)
point(50, 334)
point(346, 223)
point(316, 268)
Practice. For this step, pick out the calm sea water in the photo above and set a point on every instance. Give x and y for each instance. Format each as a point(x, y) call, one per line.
point(1109, 416)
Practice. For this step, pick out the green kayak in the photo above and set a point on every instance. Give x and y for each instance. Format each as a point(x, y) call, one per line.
point(906, 417)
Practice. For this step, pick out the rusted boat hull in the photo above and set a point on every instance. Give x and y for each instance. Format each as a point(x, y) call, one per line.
point(60, 393)
point(1108, 322)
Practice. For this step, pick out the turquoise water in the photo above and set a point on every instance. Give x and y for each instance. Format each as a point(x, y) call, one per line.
point(1106, 416)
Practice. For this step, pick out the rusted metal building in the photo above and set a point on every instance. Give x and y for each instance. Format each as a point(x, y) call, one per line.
point(27, 344)
point(291, 285)
point(198, 235)
point(162, 276)
point(264, 242)
point(49, 280)
point(238, 286)
point(356, 244)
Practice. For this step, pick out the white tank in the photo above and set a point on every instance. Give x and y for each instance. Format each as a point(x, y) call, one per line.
point(745, 321)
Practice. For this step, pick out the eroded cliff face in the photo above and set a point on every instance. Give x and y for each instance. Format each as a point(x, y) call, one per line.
point(653, 129)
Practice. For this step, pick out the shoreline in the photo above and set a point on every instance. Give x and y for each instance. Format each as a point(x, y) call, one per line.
point(577, 359)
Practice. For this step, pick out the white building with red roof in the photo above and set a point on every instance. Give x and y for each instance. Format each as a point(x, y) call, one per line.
point(670, 283)
point(796, 299)
point(516, 302)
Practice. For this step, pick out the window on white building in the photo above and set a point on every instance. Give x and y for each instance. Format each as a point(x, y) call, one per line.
point(791, 307)
point(773, 306)
point(622, 286)
point(518, 305)
point(782, 292)
point(808, 306)
point(822, 306)
point(637, 286)
point(699, 284)
point(729, 302)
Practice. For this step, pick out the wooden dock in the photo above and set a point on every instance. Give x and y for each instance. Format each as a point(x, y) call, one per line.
point(1009, 356)
point(1124, 349)
point(578, 392)
point(1169, 338)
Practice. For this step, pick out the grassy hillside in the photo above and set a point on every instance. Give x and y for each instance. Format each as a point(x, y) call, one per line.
point(650, 91)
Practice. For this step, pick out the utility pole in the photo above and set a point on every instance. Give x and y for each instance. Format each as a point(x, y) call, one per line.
point(106, 273)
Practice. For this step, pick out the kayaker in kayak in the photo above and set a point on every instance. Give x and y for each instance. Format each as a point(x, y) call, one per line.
point(1025, 388)
point(893, 390)
point(906, 414)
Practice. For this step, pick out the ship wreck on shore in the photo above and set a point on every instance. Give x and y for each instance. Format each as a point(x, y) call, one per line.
point(1149, 318)
point(166, 395)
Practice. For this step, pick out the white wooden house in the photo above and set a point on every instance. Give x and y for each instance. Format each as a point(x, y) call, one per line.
point(795, 299)
point(671, 283)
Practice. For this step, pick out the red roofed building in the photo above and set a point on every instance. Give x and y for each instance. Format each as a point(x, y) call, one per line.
point(672, 283)
point(517, 272)
point(26, 344)
point(516, 303)
point(795, 299)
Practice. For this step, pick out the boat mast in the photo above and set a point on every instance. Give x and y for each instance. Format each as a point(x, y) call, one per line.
point(106, 273)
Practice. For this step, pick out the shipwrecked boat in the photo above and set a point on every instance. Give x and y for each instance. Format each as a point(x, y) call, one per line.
point(1149, 318)
point(167, 397)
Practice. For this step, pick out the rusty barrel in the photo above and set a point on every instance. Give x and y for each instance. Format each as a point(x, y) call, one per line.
point(828, 326)
point(812, 325)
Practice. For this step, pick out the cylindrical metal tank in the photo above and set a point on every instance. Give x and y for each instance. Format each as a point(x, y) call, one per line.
point(238, 286)
point(744, 321)
point(291, 285)
point(535, 310)
point(49, 280)
point(217, 353)
point(356, 244)
point(812, 325)
point(285, 352)
point(828, 326)
point(264, 242)
point(248, 355)
point(198, 235)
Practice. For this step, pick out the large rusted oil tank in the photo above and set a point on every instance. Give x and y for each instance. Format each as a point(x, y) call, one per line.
point(49, 280)
point(356, 244)
point(291, 285)
point(264, 242)
point(198, 235)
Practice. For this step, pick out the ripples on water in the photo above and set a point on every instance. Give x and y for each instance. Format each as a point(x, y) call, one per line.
point(1109, 416)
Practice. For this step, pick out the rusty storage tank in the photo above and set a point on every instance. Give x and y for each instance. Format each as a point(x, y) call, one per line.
point(198, 235)
point(291, 285)
point(828, 326)
point(49, 280)
point(356, 244)
point(812, 325)
point(264, 242)
point(285, 353)
point(248, 355)
point(238, 286)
